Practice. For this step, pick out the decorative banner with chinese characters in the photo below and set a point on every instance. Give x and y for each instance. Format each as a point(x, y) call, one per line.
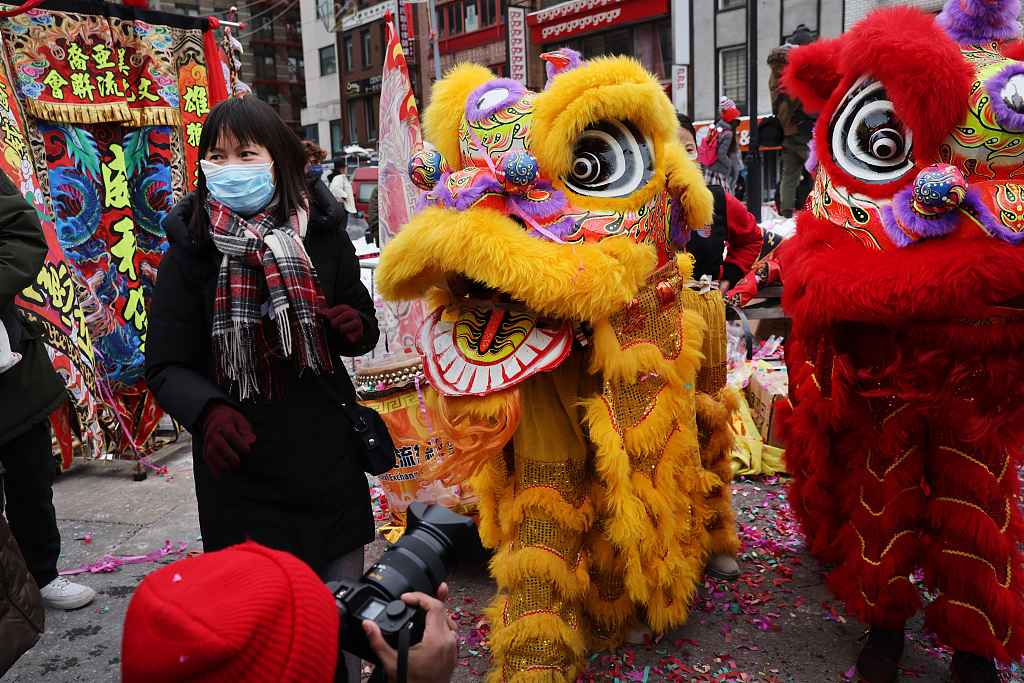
point(193, 81)
point(92, 68)
point(400, 139)
point(111, 188)
point(52, 300)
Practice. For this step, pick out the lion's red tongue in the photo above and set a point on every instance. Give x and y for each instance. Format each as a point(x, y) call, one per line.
point(487, 349)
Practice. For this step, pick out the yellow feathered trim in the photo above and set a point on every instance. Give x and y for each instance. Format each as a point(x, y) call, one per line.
point(447, 107)
point(685, 180)
point(527, 631)
point(511, 570)
point(550, 502)
point(491, 485)
point(614, 612)
point(607, 87)
point(490, 248)
point(685, 263)
point(714, 419)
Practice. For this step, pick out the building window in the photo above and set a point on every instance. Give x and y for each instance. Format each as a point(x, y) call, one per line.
point(313, 133)
point(336, 136)
point(353, 124)
point(371, 117)
point(328, 62)
point(364, 38)
point(731, 4)
point(349, 64)
point(324, 9)
point(467, 16)
point(732, 70)
point(187, 10)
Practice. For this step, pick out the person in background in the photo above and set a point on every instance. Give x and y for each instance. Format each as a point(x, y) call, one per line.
point(373, 217)
point(733, 230)
point(797, 125)
point(315, 156)
point(195, 621)
point(30, 390)
point(721, 159)
point(341, 188)
point(257, 298)
point(333, 174)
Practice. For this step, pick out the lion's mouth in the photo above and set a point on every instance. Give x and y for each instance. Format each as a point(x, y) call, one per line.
point(484, 341)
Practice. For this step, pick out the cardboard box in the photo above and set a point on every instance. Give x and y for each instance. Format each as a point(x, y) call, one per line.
point(768, 384)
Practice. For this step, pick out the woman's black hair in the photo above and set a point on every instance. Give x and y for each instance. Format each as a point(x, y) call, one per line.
point(686, 124)
point(249, 120)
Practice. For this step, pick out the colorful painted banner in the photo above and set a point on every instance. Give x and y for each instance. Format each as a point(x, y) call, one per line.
point(400, 139)
point(52, 300)
point(93, 67)
point(111, 188)
point(193, 81)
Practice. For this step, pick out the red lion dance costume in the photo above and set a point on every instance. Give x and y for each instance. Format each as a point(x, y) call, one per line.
point(905, 281)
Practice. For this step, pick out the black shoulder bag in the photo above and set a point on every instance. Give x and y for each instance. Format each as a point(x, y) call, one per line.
point(374, 446)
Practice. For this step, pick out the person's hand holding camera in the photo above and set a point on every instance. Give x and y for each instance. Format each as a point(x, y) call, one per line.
point(433, 659)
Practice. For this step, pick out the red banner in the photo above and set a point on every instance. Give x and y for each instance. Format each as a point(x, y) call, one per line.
point(583, 16)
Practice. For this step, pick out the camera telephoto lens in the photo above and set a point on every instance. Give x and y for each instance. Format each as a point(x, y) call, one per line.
point(437, 543)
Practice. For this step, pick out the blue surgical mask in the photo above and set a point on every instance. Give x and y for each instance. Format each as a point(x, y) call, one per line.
point(243, 188)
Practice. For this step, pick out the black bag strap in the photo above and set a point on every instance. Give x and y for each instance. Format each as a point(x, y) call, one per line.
point(404, 636)
point(357, 419)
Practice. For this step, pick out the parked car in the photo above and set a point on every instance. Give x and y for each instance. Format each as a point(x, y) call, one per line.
point(364, 181)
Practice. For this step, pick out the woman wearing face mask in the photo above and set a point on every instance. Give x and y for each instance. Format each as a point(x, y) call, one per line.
point(256, 300)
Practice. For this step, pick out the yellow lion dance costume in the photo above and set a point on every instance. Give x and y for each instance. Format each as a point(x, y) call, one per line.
point(580, 375)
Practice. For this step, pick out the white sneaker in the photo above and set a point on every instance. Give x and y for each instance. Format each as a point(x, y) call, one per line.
point(63, 594)
point(723, 566)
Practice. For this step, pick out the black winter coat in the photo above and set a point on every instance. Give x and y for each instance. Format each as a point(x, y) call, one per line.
point(302, 488)
point(32, 389)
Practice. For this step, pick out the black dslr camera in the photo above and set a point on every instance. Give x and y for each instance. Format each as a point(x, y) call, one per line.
point(436, 544)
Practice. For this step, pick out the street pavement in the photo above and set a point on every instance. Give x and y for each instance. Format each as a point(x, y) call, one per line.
point(778, 623)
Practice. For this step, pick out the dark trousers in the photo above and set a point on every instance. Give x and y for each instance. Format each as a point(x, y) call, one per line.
point(27, 500)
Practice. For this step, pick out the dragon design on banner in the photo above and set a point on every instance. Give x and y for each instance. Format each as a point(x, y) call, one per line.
point(115, 97)
point(905, 421)
point(580, 377)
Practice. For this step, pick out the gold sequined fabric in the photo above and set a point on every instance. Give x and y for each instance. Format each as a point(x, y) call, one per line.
point(711, 307)
point(538, 595)
point(653, 316)
point(632, 402)
point(568, 477)
point(535, 532)
point(536, 654)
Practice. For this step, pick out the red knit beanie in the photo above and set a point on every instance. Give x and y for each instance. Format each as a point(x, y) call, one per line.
point(245, 613)
point(730, 114)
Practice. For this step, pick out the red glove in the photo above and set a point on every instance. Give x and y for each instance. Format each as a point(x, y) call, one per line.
point(227, 436)
point(345, 323)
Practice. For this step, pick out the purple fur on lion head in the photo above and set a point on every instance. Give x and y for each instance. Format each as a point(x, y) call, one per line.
point(1010, 114)
point(971, 22)
point(508, 93)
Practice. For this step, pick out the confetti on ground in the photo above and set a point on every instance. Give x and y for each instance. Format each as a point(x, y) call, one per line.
point(103, 610)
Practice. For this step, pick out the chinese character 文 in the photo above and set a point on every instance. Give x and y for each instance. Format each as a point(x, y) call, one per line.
point(82, 87)
point(196, 101)
point(144, 94)
point(77, 58)
point(124, 249)
point(192, 132)
point(101, 57)
point(56, 83)
point(115, 181)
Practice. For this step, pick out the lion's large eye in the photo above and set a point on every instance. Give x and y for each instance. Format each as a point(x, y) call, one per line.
point(610, 159)
point(867, 139)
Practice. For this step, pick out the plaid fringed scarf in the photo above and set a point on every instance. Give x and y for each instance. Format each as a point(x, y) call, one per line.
point(258, 250)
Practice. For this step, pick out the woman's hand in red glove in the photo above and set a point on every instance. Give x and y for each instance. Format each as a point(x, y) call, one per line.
point(227, 437)
point(345, 323)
